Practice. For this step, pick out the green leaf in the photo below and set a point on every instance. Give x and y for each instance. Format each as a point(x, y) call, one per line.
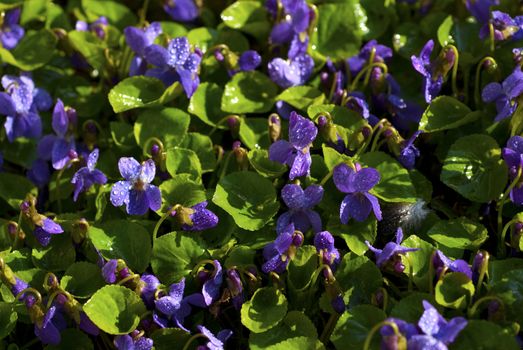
point(410, 308)
point(248, 197)
point(295, 325)
point(203, 147)
point(332, 158)
point(361, 275)
point(122, 134)
point(141, 91)
point(265, 310)
point(354, 326)
point(202, 37)
point(57, 256)
point(32, 52)
point(259, 159)
point(115, 309)
point(14, 189)
point(169, 338)
point(510, 291)
point(121, 239)
point(395, 184)
point(205, 103)
point(444, 113)
point(473, 168)
point(249, 92)
point(240, 256)
point(8, 318)
point(90, 47)
point(175, 255)
point(181, 190)
point(247, 16)
point(461, 233)
point(254, 132)
point(302, 267)
point(181, 160)
point(498, 268)
point(484, 335)
point(348, 21)
point(72, 339)
point(82, 279)
point(116, 13)
point(167, 124)
point(34, 10)
point(418, 261)
point(20, 261)
point(302, 343)
point(301, 97)
point(454, 290)
point(355, 233)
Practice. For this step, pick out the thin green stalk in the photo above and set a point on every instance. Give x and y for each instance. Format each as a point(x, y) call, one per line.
point(502, 203)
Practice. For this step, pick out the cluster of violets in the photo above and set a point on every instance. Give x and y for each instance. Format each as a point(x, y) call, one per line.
point(138, 190)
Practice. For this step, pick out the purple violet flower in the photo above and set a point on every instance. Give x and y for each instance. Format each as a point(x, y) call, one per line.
point(441, 262)
point(513, 156)
point(47, 331)
point(215, 342)
point(480, 9)
point(382, 53)
point(172, 307)
point(127, 342)
point(136, 192)
point(409, 152)
point(109, 271)
point(17, 103)
point(182, 10)
point(44, 232)
point(201, 218)
point(505, 27)
point(292, 72)
point(138, 40)
point(433, 74)
point(235, 287)
point(392, 252)
point(249, 60)
point(324, 243)
point(389, 340)
point(296, 21)
point(39, 173)
point(505, 94)
point(357, 183)
point(295, 152)
point(279, 253)
point(148, 290)
point(212, 282)
point(60, 149)
point(11, 33)
point(300, 204)
point(18, 287)
point(175, 63)
point(438, 332)
point(97, 27)
point(87, 176)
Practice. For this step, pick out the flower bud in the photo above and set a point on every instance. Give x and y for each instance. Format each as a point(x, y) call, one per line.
point(274, 127)
point(79, 230)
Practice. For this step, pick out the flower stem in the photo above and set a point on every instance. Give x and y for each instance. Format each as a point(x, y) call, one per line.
point(472, 311)
point(501, 246)
point(454, 69)
point(193, 338)
point(329, 327)
point(366, 345)
point(365, 70)
point(159, 223)
point(483, 271)
point(500, 208)
point(17, 234)
point(477, 79)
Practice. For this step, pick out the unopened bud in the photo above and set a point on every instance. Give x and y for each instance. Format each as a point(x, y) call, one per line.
point(274, 127)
